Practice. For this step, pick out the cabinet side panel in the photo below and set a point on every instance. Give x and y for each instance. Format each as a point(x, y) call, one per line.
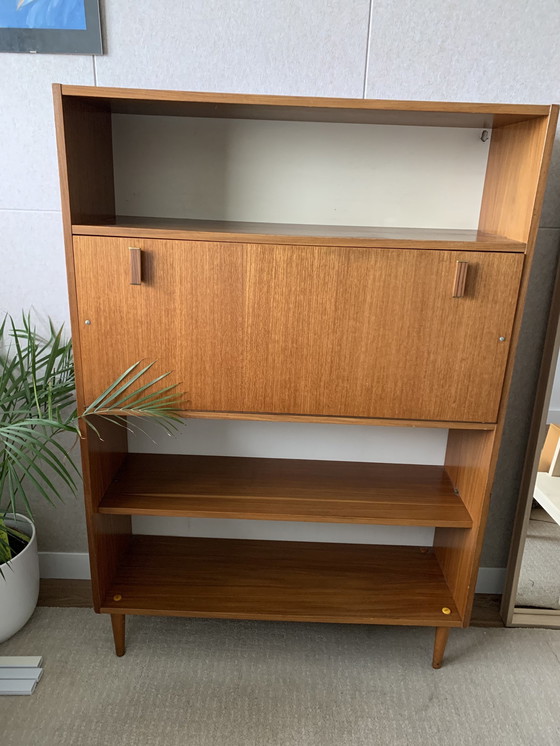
point(89, 160)
point(108, 535)
point(468, 462)
point(86, 186)
point(503, 184)
point(512, 201)
point(515, 176)
point(105, 453)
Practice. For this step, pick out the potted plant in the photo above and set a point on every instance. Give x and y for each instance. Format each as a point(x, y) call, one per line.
point(37, 405)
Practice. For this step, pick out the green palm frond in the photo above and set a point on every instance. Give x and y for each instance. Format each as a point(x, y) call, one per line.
point(37, 405)
point(127, 397)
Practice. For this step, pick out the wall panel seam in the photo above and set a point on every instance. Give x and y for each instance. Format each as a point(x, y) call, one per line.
point(368, 39)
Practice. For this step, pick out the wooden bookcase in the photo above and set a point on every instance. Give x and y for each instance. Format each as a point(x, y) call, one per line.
point(323, 322)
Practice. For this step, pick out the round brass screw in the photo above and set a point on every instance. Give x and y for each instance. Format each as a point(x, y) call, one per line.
point(446, 610)
point(117, 597)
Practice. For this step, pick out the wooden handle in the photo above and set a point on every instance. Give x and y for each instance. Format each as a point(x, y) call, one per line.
point(135, 266)
point(460, 279)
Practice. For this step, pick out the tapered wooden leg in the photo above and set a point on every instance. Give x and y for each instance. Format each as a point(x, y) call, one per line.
point(442, 633)
point(118, 623)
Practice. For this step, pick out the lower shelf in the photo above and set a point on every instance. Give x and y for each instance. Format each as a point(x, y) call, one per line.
point(277, 580)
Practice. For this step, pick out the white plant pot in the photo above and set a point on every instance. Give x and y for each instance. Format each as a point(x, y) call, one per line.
point(19, 588)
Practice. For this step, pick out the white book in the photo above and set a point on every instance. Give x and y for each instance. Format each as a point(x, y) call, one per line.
point(21, 661)
point(20, 673)
point(17, 686)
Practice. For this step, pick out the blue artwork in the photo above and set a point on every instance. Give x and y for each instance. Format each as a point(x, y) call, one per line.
point(43, 14)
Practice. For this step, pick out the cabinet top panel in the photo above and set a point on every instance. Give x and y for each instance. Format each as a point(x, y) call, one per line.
point(293, 108)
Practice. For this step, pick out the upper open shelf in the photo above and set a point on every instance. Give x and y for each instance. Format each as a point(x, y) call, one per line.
point(273, 169)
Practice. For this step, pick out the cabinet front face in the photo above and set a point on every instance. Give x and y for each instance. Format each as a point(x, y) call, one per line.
point(185, 314)
point(377, 332)
point(303, 330)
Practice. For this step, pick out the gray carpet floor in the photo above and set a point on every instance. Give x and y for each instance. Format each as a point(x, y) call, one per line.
point(212, 683)
point(539, 579)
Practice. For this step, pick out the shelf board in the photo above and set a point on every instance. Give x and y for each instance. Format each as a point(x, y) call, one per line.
point(279, 580)
point(311, 235)
point(285, 490)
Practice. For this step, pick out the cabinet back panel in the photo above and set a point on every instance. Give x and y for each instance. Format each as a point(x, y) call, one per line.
point(306, 330)
point(298, 172)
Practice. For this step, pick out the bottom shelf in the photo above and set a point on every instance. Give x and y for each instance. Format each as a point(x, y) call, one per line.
point(284, 581)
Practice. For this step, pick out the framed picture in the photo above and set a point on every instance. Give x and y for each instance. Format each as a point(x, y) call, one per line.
point(50, 26)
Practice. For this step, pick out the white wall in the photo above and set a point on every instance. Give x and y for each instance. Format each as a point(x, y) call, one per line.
point(323, 173)
point(554, 405)
point(456, 50)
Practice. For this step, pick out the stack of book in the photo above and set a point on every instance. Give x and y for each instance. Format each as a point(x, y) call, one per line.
point(19, 674)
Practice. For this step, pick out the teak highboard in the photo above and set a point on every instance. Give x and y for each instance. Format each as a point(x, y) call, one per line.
point(264, 316)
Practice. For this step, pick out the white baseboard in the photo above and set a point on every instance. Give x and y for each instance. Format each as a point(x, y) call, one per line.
point(75, 566)
point(67, 565)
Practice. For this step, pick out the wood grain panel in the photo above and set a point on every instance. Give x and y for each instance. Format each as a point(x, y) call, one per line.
point(302, 234)
point(513, 175)
point(302, 330)
point(83, 133)
point(77, 593)
point(495, 208)
point(88, 159)
point(293, 108)
point(281, 580)
point(468, 463)
point(285, 490)
point(186, 315)
point(496, 194)
point(373, 333)
point(108, 536)
point(108, 539)
point(65, 123)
